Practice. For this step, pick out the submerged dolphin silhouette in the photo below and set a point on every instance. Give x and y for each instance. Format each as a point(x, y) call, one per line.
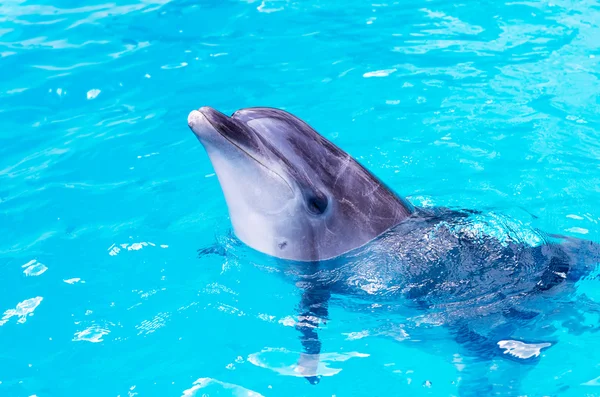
point(294, 195)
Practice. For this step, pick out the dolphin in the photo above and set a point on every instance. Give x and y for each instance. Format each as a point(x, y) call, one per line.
point(295, 196)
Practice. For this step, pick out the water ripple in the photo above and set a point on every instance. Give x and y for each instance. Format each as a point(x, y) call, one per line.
point(91, 334)
point(215, 386)
point(272, 358)
point(22, 311)
point(34, 268)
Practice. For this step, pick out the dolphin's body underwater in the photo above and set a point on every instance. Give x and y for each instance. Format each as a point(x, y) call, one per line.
point(294, 195)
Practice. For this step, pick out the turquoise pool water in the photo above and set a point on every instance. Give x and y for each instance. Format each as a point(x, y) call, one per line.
point(106, 197)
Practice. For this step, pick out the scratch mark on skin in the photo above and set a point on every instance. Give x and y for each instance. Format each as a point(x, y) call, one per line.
point(343, 168)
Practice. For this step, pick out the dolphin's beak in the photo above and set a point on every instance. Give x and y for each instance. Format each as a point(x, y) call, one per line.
point(201, 121)
point(209, 124)
point(195, 118)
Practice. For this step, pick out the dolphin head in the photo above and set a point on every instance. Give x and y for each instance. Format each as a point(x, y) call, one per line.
point(290, 192)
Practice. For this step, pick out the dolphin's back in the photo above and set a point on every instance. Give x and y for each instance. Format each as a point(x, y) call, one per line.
point(443, 257)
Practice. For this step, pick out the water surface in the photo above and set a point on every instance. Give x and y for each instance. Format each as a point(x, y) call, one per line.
point(106, 196)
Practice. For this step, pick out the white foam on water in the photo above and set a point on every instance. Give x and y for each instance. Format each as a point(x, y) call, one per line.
point(115, 249)
point(522, 350)
point(578, 230)
point(149, 326)
point(356, 335)
point(92, 334)
point(379, 73)
point(34, 268)
point(174, 66)
point(92, 94)
point(215, 386)
point(22, 310)
point(135, 247)
point(287, 321)
point(264, 8)
point(72, 280)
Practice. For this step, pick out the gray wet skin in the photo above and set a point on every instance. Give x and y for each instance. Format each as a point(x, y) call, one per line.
point(290, 192)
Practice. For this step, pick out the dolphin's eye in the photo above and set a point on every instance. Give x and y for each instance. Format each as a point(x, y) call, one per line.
point(317, 205)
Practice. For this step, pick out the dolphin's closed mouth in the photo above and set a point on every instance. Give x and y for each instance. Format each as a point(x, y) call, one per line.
point(235, 132)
